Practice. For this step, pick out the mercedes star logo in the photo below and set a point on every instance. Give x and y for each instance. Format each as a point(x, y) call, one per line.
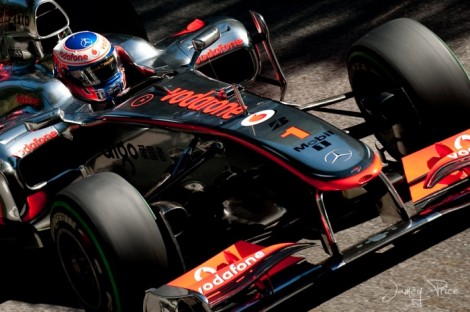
point(338, 156)
point(85, 42)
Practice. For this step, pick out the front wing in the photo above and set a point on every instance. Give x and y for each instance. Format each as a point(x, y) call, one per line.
point(246, 276)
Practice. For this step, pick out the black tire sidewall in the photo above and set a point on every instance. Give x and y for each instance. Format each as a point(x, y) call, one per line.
point(126, 243)
point(66, 221)
point(413, 57)
point(370, 74)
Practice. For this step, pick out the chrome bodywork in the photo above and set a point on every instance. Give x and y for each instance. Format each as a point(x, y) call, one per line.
point(33, 101)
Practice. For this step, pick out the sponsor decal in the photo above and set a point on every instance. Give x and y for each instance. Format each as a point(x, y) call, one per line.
point(220, 49)
point(73, 57)
point(128, 153)
point(25, 99)
point(317, 143)
point(129, 150)
point(229, 273)
point(205, 103)
point(86, 42)
point(356, 170)
point(461, 151)
point(15, 19)
point(40, 138)
point(151, 152)
point(278, 123)
point(432, 166)
point(198, 274)
point(337, 156)
point(258, 117)
point(143, 99)
point(229, 268)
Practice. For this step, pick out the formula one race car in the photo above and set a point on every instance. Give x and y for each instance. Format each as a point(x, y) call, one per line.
point(191, 156)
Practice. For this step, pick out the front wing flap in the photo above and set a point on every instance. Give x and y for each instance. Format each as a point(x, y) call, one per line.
point(438, 168)
point(242, 271)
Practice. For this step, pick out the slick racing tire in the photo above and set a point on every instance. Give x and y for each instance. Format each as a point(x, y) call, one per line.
point(409, 86)
point(108, 243)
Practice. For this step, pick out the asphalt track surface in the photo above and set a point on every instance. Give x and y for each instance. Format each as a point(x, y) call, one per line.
point(431, 273)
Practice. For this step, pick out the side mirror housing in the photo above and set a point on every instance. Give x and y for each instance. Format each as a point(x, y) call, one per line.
point(203, 41)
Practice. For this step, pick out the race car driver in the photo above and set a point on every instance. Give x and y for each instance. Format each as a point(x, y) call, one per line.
point(94, 69)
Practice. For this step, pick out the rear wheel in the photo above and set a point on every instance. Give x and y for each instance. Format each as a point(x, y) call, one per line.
point(108, 243)
point(409, 86)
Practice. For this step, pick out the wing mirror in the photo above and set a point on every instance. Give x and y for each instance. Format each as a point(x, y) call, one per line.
point(203, 41)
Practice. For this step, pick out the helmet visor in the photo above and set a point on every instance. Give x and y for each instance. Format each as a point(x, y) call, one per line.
point(97, 73)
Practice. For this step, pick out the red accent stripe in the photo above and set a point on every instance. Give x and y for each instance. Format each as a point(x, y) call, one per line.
point(330, 185)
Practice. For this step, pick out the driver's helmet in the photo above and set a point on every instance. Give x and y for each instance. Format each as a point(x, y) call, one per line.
point(89, 65)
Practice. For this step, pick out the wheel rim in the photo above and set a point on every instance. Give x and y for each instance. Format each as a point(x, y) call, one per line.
point(396, 121)
point(80, 269)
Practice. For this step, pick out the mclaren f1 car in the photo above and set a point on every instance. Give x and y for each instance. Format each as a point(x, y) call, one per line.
point(191, 192)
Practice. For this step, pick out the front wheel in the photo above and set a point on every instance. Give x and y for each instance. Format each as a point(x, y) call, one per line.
point(409, 86)
point(108, 243)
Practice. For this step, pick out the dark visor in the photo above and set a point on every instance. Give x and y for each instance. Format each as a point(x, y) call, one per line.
point(97, 73)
